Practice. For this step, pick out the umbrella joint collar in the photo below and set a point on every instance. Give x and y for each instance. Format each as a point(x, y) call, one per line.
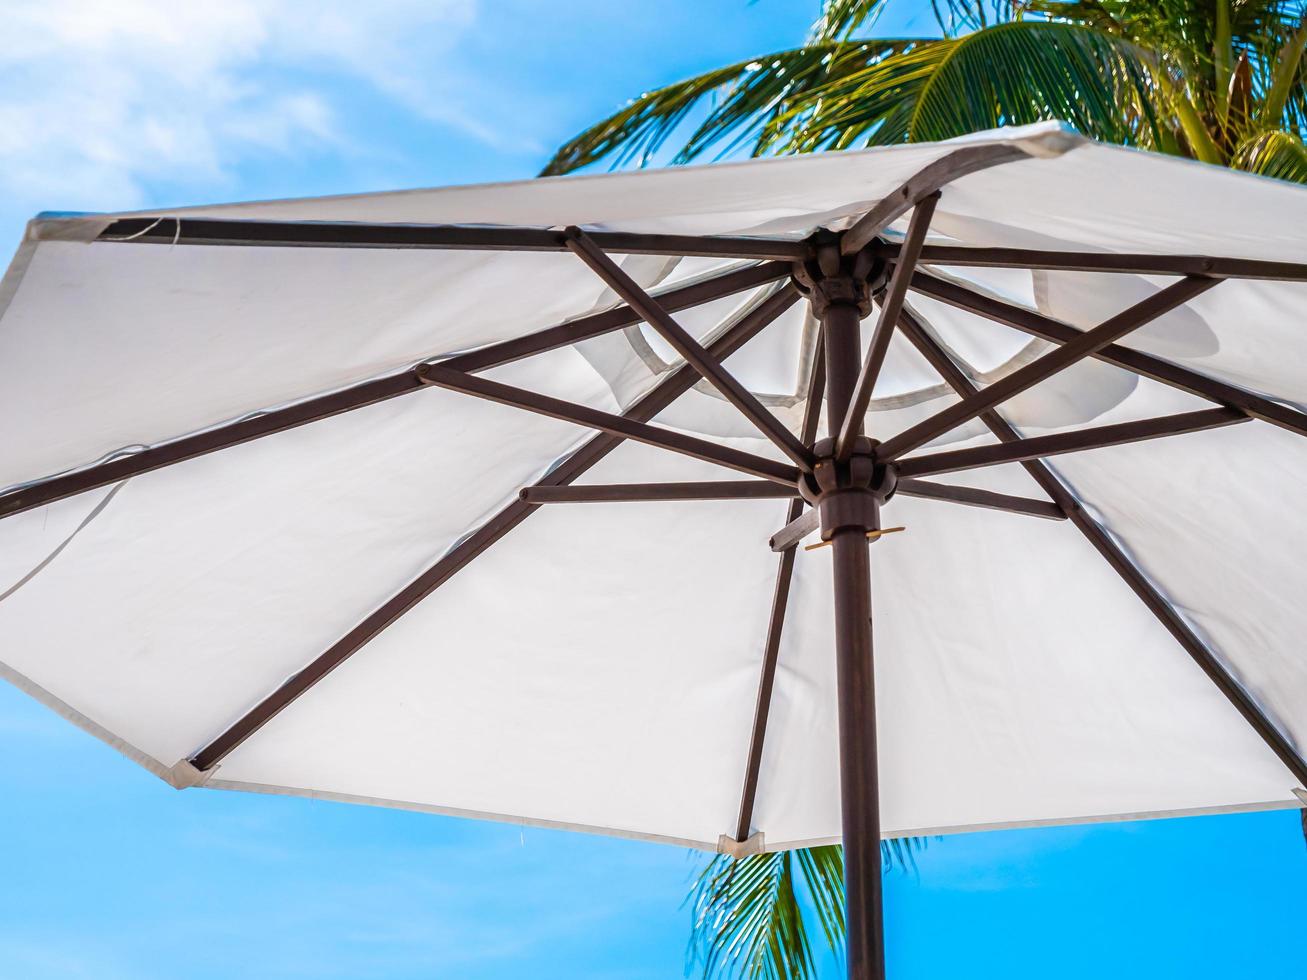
point(848, 494)
point(831, 278)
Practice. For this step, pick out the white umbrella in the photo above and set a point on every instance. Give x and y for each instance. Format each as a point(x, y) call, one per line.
point(276, 520)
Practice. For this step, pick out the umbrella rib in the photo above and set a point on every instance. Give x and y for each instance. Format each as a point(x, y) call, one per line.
point(1084, 345)
point(670, 388)
point(1123, 565)
point(1095, 437)
point(618, 425)
point(629, 492)
point(254, 233)
point(597, 324)
point(891, 301)
point(367, 393)
point(766, 683)
point(694, 353)
point(987, 499)
point(966, 256)
point(1145, 365)
point(795, 530)
point(776, 620)
point(928, 180)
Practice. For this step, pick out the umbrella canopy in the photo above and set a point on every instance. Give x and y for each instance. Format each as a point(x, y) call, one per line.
point(265, 525)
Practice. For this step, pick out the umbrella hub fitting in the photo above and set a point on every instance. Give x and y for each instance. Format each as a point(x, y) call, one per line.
point(831, 278)
point(848, 495)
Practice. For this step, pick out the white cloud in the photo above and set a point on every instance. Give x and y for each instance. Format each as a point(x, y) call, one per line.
point(99, 99)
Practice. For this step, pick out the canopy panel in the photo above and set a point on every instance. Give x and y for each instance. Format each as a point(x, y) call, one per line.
point(597, 665)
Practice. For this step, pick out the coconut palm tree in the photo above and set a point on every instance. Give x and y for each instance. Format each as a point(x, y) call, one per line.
point(1222, 81)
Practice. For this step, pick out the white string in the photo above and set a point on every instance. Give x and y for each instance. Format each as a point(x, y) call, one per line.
point(128, 238)
point(177, 234)
point(43, 563)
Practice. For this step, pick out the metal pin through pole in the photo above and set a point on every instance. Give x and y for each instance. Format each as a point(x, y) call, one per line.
point(871, 536)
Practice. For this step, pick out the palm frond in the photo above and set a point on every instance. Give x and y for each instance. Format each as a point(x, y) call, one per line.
point(748, 921)
point(823, 874)
point(742, 99)
point(753, 916)
point(871, 105)
point(646, 123)
point(1030, 70)
point(1287, 74)
point(1273, 154)
point(958, 16)
point(841, 19)
point(1178, 76)
point(1222, 61)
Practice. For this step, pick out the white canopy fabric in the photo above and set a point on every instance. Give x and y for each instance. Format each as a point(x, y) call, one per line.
point(597, 667)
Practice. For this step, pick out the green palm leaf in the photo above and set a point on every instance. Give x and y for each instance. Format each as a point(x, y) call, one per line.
point(838, 94)
point(841, 19)
point(742, 99)
point(1027, 71)
point(1193, 77)
point(1274, 154)
point(753, 916)
point(1016, 73)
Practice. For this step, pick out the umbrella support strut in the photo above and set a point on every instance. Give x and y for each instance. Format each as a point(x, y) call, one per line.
point(848, 495)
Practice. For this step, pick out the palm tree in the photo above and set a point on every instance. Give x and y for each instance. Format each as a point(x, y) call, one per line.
point(1222, 81)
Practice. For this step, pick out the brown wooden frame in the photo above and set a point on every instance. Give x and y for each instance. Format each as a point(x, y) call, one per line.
point(367, 393)
point(1137, 362)
point(676, 383)
point(1207, 660)
point(1078, 440)
point(848, 392)
point(1084, 345)
point(258, 233)
point(1135, 263)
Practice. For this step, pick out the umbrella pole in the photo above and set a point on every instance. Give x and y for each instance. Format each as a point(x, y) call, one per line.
point(855, 678)
point(858, 784)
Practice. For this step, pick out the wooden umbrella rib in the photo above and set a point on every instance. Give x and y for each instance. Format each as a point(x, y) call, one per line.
point(40, 493)
point(1145, 365)
point(890, 304)
point(258, 233)
point(653, 492)
point(1206, 659)
point(597, 324)
point(795, 530)
point(943, 365)
point(1131, 263)
point(931, 178)
point(1084, 345)
point(1080, 440)
point(618, 425)
point(367, 393)
point(656, 315)
point(766, 684)
point(986, 499)
point(779, 606)
point(675, 384)
point(1121, 563)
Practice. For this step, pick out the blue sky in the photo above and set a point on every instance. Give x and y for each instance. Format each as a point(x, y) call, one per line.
point(108, 873)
